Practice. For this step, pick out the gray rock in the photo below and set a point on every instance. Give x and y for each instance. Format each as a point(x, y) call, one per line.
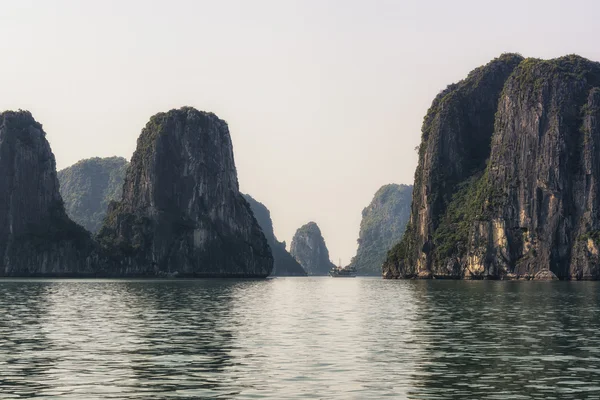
point(545, 275)
point(531, 211)
point(88, 186)
point(181, 211)
point(37, 238)
point(382, 225)
point(309, 249)
point(284, 263)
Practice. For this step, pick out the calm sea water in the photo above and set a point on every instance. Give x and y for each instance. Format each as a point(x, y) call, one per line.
point(299, 338)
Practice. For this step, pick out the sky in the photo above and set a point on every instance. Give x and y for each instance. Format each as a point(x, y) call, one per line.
point(324, 99)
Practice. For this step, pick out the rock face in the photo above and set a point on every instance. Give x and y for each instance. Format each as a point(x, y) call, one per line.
point(284, 263)
point(383, 224)
point(309, 249)
point(89, 186)
point(531, 210)
point(37, 238)
point(181, 212)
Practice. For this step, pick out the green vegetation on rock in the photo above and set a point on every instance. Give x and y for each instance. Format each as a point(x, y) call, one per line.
point(507, 181)
point(455, 144)
point(383, 224)
point(475, 200)
point(181, 212)
point(309, 249)
point(88, 186)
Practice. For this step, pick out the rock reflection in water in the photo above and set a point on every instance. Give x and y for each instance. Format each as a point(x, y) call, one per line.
point(507, 340)
point(25, 350)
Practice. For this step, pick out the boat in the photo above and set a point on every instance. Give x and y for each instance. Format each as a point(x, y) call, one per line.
point(343, 272)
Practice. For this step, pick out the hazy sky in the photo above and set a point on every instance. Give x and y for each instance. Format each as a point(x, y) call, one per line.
point(324, 99)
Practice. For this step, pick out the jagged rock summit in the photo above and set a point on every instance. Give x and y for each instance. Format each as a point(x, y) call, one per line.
point(88, 186)
point(507, 184)
point(309, 249)
point(383, 223)
point(181, 212)
point(284, 263)
point(37, 238)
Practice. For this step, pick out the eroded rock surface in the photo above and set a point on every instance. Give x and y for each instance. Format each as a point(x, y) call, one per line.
point(181, 213)
point(383, 223)
point(37, 238)
point(531, 210)
point(88, 186)
point(284, 264)
point(309, 249)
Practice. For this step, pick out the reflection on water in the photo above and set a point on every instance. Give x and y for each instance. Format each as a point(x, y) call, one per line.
point(299, 338)
point(499, 340)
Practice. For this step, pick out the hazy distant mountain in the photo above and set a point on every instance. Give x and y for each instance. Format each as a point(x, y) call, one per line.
point(309, 249)
point(284, 263)
point(383, 224)
point(88, 186)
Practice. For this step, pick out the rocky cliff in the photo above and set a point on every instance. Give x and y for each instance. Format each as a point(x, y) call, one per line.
point(284, 263)
point(181, 211)
point(383, 224)
point(88, 186)
point(309, 249)
point(37, 238)
point(507, 181)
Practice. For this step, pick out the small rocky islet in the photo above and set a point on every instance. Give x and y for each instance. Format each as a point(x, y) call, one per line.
point(309, 249)
point(284, 263)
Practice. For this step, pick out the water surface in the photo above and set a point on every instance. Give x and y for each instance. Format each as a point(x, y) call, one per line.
point(299, 338)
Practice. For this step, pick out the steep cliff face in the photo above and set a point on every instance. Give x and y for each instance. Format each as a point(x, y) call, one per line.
point(543, 174)
point(36, 236)
point(383, 224)
point(284, 263)
point(309, 249)
point(88, 186)
point(531, 211)
point(455, 143)
point(181, 211)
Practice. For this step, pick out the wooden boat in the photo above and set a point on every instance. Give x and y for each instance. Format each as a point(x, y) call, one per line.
point(343, 272)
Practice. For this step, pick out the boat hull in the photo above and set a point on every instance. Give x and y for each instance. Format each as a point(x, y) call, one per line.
point(339, 272)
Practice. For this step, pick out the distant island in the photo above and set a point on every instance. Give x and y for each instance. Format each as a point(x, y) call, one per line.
point(284, 263)
point(309, 249)
point(383, 223)
point(507, 185)
point(88, 186)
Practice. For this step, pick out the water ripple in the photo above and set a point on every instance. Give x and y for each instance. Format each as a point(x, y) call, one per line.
point(299, 338)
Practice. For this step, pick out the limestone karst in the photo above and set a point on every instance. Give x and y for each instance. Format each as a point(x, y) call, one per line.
point(507, 181)
point(309, 249)
point(382, 226)
point(88, 186)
